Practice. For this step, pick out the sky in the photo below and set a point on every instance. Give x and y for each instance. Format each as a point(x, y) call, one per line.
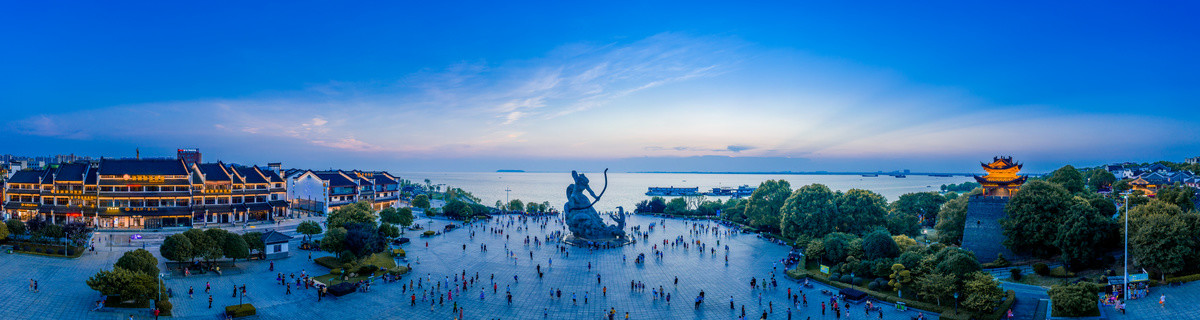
point(637, 86)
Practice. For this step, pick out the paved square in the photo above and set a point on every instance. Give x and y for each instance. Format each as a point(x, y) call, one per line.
point(65, 295)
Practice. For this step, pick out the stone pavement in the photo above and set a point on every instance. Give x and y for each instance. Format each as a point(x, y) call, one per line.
point(64, 294)
point(1181, 303)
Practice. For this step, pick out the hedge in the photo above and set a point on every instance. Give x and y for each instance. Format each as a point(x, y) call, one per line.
point(1187, 278)
point(398, 270)
point(241, 310)
point(1010, 298)
point(428, 233)
point(398, 253)
point(328, 262)
point(880, 295)
point(164, 307)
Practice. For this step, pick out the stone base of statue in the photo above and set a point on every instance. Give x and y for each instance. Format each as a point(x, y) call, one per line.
point(571, 239)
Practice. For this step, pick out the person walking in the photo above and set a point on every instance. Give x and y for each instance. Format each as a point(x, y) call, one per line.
point(210, 301)
point(191, 290)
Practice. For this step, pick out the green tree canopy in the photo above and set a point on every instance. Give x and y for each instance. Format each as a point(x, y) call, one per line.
point(516, 205)
point(810, 211)
point(937, 287)
point(1085, 234)
point(334, 240)
point(217, 244)
point(389, 231)
point(177, 247)
point(952, 218)
point(1100, 179)
point(919, 204)
point(1161, 237)
point(15, 226)
point(129, 285)
point(254, 241)
point(1067, 177)
point(1178, 195)
point(956, 261)
point(389, 215)
point(202, 245)
point(879, 244)
point(981, 292)
point(1076, 300)
point(763, 207)
point(677, 205)
point(138, 260)
point(3, 231)
point(358, 212)
point(458, 209)
point(235, 247)
point(860, 211)
point(1034, 216)
point(421, 201)
point(406, 217)
point(308, 229)
point(837, 246)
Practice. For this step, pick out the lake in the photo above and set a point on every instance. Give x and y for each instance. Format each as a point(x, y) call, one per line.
point(627, 189)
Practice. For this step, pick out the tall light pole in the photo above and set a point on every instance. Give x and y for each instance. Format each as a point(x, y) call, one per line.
point(506, 190)
point(1126, 282)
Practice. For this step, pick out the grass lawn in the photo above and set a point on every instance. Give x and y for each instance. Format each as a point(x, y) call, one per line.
point(383, 260)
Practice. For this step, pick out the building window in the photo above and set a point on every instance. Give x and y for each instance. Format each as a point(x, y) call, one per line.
point(278, 248)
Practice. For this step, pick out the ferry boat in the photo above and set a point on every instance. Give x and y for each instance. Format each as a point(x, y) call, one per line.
point(739, 192)
point(901, 176)
point(673, 191)
point(870, 175)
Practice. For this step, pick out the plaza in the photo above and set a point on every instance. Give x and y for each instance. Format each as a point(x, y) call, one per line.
point(63, 292)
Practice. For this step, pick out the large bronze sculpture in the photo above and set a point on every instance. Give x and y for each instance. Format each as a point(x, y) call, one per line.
point(584, 222)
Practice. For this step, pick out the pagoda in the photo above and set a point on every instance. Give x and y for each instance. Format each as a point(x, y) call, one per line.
point(1001, 179)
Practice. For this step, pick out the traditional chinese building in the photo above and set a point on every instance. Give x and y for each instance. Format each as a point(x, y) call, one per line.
point(1002, 179)
point(145, 193)
point(325, 191)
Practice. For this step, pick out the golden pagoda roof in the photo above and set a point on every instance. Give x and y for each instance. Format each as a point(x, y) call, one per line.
point(1001, 163)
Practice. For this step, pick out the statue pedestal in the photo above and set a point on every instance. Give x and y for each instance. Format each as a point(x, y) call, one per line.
point(571, 239)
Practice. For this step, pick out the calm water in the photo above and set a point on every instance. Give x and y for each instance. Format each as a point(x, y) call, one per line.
point(627, 189)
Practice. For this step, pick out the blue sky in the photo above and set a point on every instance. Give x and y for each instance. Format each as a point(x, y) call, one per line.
point(546, 86)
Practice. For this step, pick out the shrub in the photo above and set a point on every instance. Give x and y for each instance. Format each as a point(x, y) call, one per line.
point(164, 307)
point(241, 310)
point(1016, 273)
point(858, 281)
point(1041, 269)
point(1187, 278)
point(398, 253)
point(398, 270)
point(335, 271)
point(328, 262)
point(429, 233)
point(797, 273)
point(835, 276)
point(366, 270)
point(847, 278)
point(1061, 272)
point(873, 286)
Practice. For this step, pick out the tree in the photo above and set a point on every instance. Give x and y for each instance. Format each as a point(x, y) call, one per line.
point(53, 231)
point(1161, 241)
point(1084, 234)
point(389, 231)
point(860, 211)
point(138, 260)
point(1178, 195)
point(1100, 179)
point(363, 239)
point(936, 286)
point(531, 207)
point(129, 285)
point(516, 205)
point(1076, 300)
point(900, 277)
point(334, 240)
point(216, 249)
point(1067, 177)
point(837, 247)
point(389, 215)
point(254, 241)
point(810, 210)
point(421, 201)
point(1033, 218)
point(3, 231)
point(956, 261)
point(308, 229)
point(358, 212)
point(903, 224)
point(235, 247)
point(202, 245)
point(904, 242)
point(499, 205)
point(177, 248)
point(458, 209)
point(982, 292)
point(734, 210)
point(677, 205)
point(764, 204)
point(952, 218)
point(15, 226)
point(879, 244)
point(919, 204)
point(406, 217)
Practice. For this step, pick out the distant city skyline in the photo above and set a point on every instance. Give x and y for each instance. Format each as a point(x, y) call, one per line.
point(638, 87)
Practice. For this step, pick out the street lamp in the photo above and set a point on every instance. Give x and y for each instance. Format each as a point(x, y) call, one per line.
point(955, 302)
point(1126, 282)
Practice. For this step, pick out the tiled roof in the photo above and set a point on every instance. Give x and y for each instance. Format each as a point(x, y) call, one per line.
point(71, 172)
point(92, 177)
point(251, 174)
point(271, 237)
point(336, 179)
point(26, 176)
point(166, 167)
point(213, 171)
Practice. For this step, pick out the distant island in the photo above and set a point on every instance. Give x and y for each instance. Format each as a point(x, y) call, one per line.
point(509, 170)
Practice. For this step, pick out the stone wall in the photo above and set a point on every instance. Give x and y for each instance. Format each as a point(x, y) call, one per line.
point(982, 233)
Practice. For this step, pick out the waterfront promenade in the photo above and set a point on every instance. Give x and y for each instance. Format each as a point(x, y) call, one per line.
point(64, 293)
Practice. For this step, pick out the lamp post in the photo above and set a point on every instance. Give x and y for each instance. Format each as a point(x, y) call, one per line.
point(956, 302)
point(160, 285)
point(1126, 282)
